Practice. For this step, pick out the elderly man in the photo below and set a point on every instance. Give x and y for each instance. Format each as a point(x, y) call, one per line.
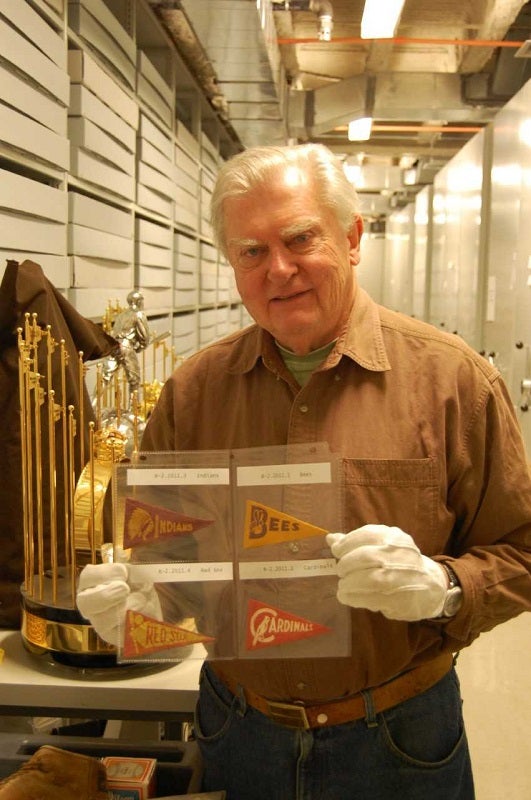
point(437, 499)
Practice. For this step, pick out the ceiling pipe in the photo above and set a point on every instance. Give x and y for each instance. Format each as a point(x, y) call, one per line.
point(405, 40)
point(323, 9)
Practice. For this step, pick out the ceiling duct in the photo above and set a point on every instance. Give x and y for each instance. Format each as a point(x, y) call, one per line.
point(231, 47)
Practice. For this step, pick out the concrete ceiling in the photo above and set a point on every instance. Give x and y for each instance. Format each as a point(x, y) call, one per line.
point(273, 80)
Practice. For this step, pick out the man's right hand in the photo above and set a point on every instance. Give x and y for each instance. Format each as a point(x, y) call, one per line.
point(104, 595)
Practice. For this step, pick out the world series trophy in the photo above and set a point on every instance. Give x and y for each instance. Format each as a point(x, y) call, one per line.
point(67, 516)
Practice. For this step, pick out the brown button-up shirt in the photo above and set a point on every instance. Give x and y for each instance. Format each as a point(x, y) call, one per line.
point(429, 442)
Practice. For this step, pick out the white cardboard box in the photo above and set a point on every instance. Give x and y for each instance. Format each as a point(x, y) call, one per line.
point(92, 303)
point(54, 267)
point(156, 136)
point(156, 299)
point(187, 140)
point(95, 23)
point(152, 98)
point(97, 214)
point(185, 263)
point(208, 252)
point(101, 11)
point(155, 256)
point(185, 280)
point(103, 273)
point(32, 25)
point(20, 52)
point(153, 201)
point(184, 324)
point(185, 298)
point(149, 154)
point(82, 68)
point(185, 345)
point(154, 277)
point(21, 194)
point(186, 244)
point(84, 241)
point(21, 232)
point(155, 180)
point(83, 133)
point(43, 108)
point(154, 234)
point(186, 163)
point(89, 167)
point(34, 139)
point(151, 73)
point(185, 181)
point(84, 103)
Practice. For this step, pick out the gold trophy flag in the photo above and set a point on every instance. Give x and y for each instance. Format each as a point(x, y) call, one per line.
point(145, 635)
point(146, 524)
point(265, 525)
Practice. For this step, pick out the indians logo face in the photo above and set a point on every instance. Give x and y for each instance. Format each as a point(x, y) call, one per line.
point(144, 635)
point(268, 626)
point(145, 523)
point(264, 525)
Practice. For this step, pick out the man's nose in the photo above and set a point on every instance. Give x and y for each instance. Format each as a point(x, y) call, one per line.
point(281, 264)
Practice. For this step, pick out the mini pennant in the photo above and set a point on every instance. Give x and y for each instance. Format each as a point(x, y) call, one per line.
point(144, 635)
point(145, 523)
point(268, 626)
point(264, 525)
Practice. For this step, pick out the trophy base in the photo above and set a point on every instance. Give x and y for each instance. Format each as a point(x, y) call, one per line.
point(55, 630)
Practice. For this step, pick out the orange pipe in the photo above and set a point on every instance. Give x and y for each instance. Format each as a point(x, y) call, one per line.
point(402, 40)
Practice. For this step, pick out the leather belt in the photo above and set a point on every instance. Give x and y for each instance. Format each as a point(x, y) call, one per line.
point(334, 712)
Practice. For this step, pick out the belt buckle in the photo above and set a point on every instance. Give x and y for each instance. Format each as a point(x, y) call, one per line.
point(291, 715)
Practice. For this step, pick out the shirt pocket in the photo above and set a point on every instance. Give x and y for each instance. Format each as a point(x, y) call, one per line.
point(400, 492)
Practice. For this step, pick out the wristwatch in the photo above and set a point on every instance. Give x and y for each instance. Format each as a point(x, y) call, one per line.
point(454, 595)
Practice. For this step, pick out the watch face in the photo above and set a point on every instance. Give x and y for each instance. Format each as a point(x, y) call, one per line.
point(453, 601)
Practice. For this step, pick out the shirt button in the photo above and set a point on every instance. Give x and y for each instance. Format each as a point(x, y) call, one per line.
point(303, 409)
point(337, 377)
point(301, 686)
point(322, 718)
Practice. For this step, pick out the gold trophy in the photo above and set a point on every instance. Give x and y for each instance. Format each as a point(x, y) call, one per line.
point(66, 503)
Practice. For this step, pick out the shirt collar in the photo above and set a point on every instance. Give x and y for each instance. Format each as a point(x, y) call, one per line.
point(362, 341)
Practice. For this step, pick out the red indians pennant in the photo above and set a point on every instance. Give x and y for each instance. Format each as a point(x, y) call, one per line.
point(268, 626)
point(145, 524)
point(264, 525)
point(144, 635)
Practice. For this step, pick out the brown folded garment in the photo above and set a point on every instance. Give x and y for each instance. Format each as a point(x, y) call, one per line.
point(25, 289)
point(55, 774)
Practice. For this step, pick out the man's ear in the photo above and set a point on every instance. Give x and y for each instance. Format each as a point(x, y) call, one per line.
point(354, 238)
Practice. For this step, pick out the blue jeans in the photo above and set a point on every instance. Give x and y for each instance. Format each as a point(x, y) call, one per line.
point(414, 751)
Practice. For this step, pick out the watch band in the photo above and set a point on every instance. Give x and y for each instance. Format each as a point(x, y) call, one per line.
point(452, 577)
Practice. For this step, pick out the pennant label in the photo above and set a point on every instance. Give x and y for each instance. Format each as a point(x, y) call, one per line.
point(145, 524)
point(144, 635)
point(268, 626)
point(264, 525)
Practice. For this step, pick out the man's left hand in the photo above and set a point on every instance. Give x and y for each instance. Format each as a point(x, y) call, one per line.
point(382, 569)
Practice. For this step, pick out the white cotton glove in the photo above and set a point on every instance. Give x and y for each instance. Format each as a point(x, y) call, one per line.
point(382, 569)
point(105, 593)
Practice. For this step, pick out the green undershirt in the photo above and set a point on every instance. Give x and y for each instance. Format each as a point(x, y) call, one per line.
point(301, 367)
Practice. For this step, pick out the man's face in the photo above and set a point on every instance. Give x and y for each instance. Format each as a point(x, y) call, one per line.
point(293, 262)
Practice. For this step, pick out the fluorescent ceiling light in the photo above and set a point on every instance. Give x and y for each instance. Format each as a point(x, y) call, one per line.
point(380, 18)
point(359, 130)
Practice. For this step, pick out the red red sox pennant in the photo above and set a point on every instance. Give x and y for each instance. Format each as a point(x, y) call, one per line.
point(144, 635)
point(268, 626)
point(145, 523)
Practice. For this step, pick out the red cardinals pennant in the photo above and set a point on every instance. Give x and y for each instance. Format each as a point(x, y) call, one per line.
point(268, 626)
